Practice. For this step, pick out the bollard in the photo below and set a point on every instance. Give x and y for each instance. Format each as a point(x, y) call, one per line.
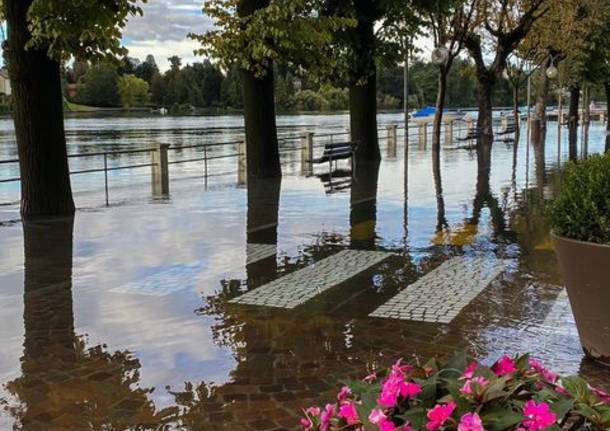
point(392, 139)
point(160, 171)
point(504, 123)
point(423, 136)
point(307, 154)
point(242, 164)
point(449, 132)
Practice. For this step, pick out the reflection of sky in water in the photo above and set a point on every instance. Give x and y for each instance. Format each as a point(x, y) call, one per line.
point(205, 231)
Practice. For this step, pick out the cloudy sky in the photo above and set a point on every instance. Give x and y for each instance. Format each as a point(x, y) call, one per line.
point(163, 28)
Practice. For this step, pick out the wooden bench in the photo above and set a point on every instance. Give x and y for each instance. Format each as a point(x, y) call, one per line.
point(334, 152)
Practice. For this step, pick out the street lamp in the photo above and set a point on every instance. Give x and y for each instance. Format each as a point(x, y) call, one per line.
point(552, 72)
point(439, 55)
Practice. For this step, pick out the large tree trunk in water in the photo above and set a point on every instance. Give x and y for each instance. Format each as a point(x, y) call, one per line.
point(363, 87)
point(263, 157)
point(573, 122)
point(607, 88)
point(363, 120)
point(39, 122)
point(539, 120)
point(440, 107)
point(485, 120)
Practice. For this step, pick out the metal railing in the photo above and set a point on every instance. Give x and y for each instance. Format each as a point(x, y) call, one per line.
point(160, 162)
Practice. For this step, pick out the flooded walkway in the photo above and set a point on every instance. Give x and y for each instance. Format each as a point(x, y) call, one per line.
point(234, 307)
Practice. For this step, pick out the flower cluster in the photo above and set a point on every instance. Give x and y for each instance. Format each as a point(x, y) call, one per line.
point(513, 394)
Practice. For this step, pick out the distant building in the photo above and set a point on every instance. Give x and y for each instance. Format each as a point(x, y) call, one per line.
point(5, 83)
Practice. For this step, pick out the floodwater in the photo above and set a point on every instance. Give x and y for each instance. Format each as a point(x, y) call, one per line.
point(125, 316)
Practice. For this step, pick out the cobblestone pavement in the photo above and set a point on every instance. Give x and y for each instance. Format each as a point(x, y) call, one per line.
point(440, 295)
point(301, 286)
point(258, 252)
point(162, 283)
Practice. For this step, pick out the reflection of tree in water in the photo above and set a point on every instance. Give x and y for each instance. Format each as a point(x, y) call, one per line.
point(63, 384)
point(363, 200)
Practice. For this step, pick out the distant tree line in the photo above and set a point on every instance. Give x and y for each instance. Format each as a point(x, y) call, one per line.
point(201, 85)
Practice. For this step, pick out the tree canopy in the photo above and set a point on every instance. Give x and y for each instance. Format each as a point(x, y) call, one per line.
point(84, 29)
point(283, 31)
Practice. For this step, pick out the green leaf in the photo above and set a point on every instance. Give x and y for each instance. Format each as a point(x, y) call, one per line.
point(501, 420)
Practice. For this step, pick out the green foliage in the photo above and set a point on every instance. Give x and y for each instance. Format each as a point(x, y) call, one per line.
point(309, 100)
point(581, 211)
point(516, 393)
point(148, 69)
point(84, 29)
point(133, 91)
point(100, 87)
point(254, 35)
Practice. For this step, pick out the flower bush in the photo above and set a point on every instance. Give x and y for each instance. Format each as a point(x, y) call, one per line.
point(515, 393)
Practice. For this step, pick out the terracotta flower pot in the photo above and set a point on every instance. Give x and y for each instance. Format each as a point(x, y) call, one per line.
point(586, 271)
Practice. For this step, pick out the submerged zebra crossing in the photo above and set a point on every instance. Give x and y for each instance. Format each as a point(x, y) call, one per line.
point(437, 297)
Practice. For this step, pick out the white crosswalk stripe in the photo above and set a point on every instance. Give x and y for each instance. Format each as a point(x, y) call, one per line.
point(440, 295)
point(300, 286)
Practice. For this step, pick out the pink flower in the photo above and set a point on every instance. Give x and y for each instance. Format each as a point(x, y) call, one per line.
point(348, 412)
point(600, 394)
point(344, 394)
point(539, 368)
point(400, 369)
point(376, 416)
point(538, 416)
point(439, 415)
point(504, 366)
point(370, 378)
point(313, 411)
point(471, 422)
point(305, 423)
point(469, 373)
point(481, 382)
point(394, 387)
point(326, 416)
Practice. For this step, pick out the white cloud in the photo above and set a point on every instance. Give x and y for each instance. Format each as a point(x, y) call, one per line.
point(163, 30)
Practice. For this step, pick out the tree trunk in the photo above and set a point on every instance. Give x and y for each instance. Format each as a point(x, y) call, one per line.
point(39, 122)
point(440, 107)
point(573, 122)
point(262, 147)
point(485, 120)
point(539, 120)
point(263, 157)
point(363, 86)
point(607, 88)
point(363, 120)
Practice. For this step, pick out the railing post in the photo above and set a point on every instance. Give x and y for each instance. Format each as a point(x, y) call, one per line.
point(242, 164)
point(423, 136)
point(392, 139)
point(469, 128)
point(449, 132)
point(160, 171)
point(307, 154)
point(106, 178)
